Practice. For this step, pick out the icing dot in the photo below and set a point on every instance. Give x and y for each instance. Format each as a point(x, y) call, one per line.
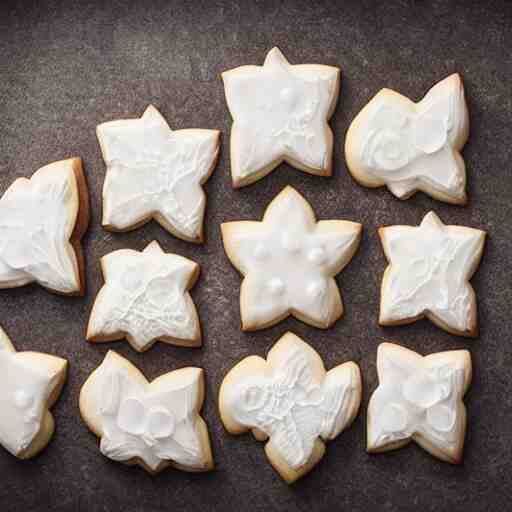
point(287, 96)
point(317, 255)
point(290, 243)
point(276, 286)
point(161, 423)
point(393, 418)
point(441, 417)
point(131, 416)
point(261, 252)
point(22, 399)
point(422, 390)
point(254, 397)
point(315, 289)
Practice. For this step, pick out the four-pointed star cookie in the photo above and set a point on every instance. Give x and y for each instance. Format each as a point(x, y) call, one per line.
point(289, 261)
point(154, 172)
point(145, 298)
point(291, 401)
point(280, 113)
point(30, 383)
point(419, 398)
point(428, 275)
point(412, 146)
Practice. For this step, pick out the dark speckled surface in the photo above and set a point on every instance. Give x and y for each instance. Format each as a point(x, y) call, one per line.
point(67, 66)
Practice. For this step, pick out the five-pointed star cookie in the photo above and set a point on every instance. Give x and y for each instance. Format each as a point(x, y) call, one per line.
point(412, 146)
point(280, 113)
point(30, 383)
point(428, 274)
point(42, 220)
point(289, 261)
point(154, 172)
point(145, 298)
point(419, 398)
point(155, 425)
point(291, 401)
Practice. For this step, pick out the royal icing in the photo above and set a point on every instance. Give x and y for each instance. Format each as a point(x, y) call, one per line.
point(290, 399)
point(37, 219)
point(145, 298)
point(154, 424)
point(154, 172)
point(280, 113)
point(428, 274)
point(27, 381)
point(412, 146)
point(419, 398)
point(289, 261)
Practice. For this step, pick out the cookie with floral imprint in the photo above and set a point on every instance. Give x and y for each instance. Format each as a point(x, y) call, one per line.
point(412, 147)
point(280, 114)
point(290, 401)
point(42, 221)
point(156, 173)
point(153, 424)
point(146, 299)
point(419, 399)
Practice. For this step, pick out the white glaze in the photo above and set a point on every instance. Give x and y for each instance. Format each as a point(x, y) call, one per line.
point(25, 388)
point(429, 272)
point(153, 423)
point(419, 398)
point(37, 219)
point(154, 172)
point(413, 146)
point(289, 261)
point(145, 297)
point(292, 400)
point(280, 112)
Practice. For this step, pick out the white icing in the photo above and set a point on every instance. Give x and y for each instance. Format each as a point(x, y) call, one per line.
point(291, 402)
point(417, 395)
point(430, 266)
point(25, 386)
point(153, 422)
point(145, 297)
point(289, 261)
point(414, 146)
point(154, 172)
point(280, 112)
point(37, 218)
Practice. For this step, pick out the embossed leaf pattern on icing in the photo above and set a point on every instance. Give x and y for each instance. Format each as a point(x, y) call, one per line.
point(37, 217)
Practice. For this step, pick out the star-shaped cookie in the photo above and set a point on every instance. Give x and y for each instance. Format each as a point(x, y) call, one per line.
point(290, 401)
point(428, 275)
point(145, 298)
point(411, 146)
point(156, 173)
point(280, 113)
point(420, 399)
point(154, 424)
point(30, 383)
point(289, 261)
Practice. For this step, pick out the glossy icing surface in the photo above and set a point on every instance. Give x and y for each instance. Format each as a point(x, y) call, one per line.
point(154, 172)
point(289, 261)
point(429, 272)
point(280, 112)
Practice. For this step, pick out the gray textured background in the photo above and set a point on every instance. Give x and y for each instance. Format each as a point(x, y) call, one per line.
point(67, 66)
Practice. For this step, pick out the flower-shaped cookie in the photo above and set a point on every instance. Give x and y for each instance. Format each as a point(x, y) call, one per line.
point(153, 424)
point(145, 298)
point(289, 261)
point(412, 146)
point(42, 220)
point(420, 398)
point(30, 383)
point(280, 113)
point(428, 275)
point(291, 401)
point(154, 172)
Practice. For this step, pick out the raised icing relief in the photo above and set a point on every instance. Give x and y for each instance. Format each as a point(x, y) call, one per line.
point(411, 146)
point(280, 113)
point(419, 398)
point(145, 298)
point(37, 222)
point(153, 424)
point(30, 382)
point(155, 172)
point(428, 274)
point(289, 261)
point(291, 401)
